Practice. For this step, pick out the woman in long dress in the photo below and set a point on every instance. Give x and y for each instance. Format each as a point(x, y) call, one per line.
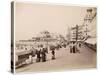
point(38, 53)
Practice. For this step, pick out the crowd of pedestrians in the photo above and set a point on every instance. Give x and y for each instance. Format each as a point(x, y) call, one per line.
point(41, 54)
point(74, 47)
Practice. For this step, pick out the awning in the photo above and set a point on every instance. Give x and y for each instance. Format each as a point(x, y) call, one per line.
point(22, 52)
point(91, 40)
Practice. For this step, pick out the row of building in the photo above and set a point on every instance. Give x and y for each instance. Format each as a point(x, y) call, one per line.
point(86, 32)
point(87, 29)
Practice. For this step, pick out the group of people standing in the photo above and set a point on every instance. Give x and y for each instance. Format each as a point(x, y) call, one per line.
point(74, 47)
point(41, 54)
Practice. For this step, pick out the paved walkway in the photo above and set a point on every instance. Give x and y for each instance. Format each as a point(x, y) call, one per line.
point(64, 61)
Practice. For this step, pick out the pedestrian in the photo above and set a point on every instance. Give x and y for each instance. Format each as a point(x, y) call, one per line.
point(80, 45)
point(53, 54)
point(71, 48)
point(43, 55)
point(74, 47)
point(30, 59)
point(38, 53)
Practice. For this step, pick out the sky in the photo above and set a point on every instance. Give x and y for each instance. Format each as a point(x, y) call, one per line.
point(31, 19)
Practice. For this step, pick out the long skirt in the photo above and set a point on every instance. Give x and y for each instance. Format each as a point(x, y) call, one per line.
point(43, 58)
point(73, 49)
point(38, 59)
point(53, 57)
